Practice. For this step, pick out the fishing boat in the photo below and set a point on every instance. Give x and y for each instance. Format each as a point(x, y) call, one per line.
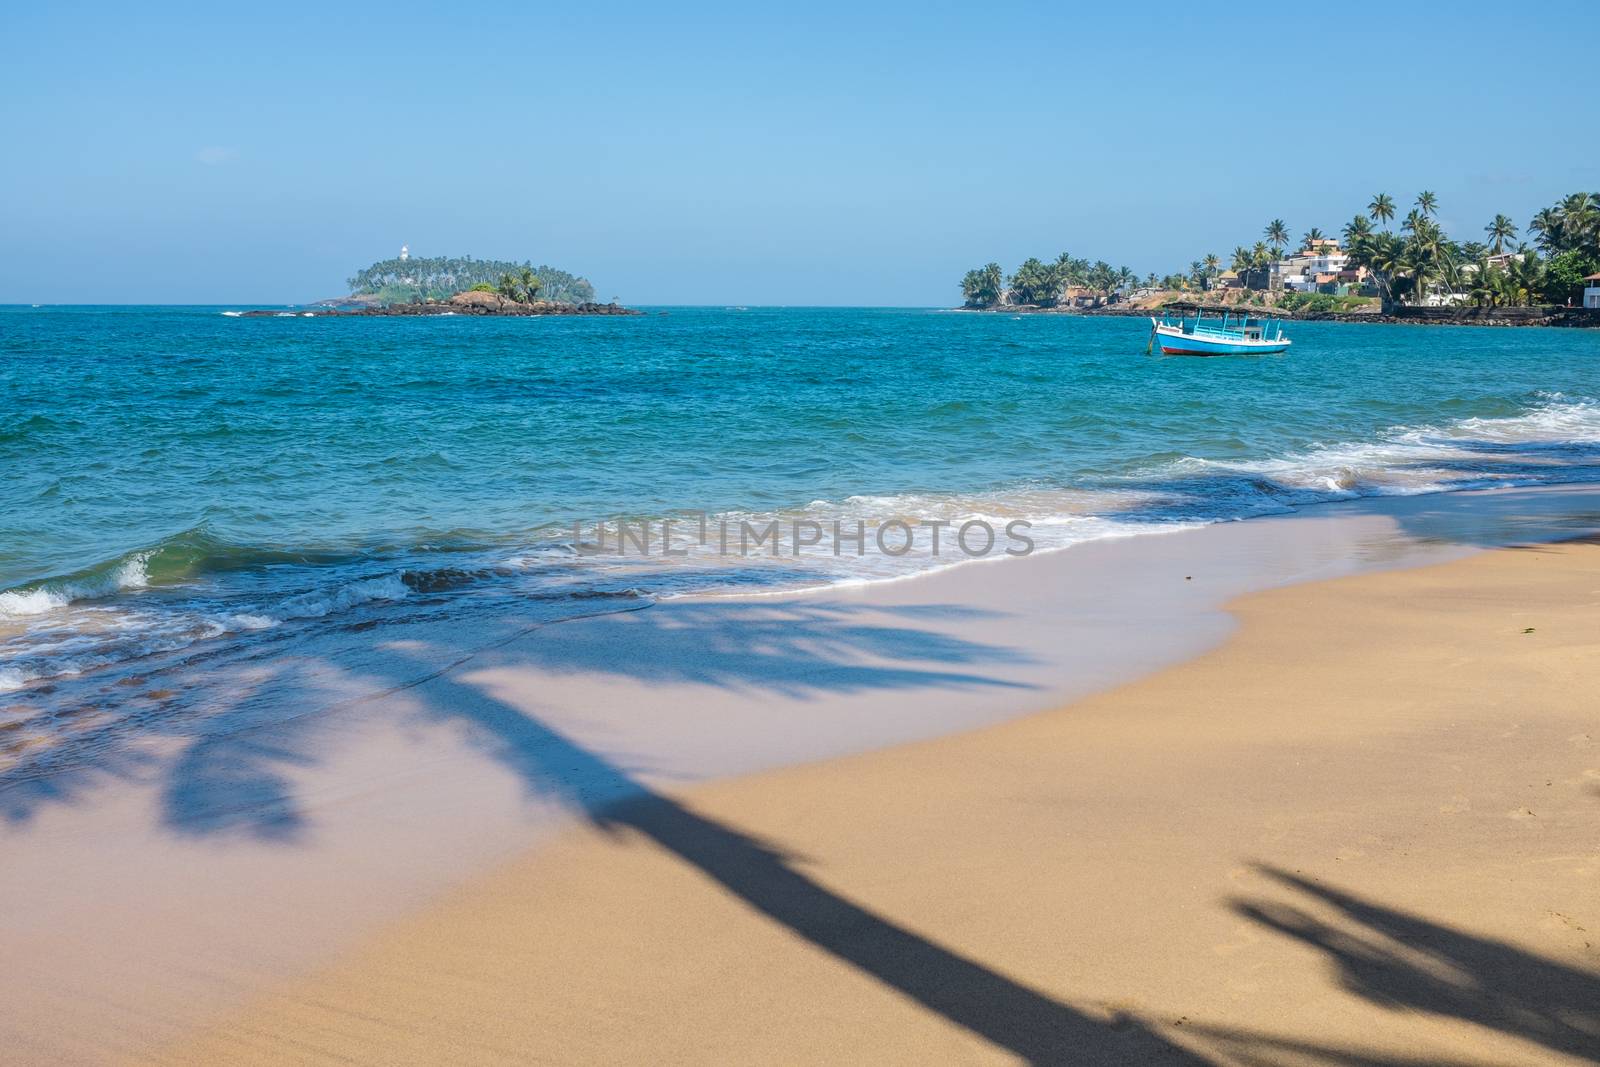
point(1232, 335)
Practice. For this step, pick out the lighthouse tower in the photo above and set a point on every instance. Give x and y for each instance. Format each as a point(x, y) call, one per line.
point(405, 253)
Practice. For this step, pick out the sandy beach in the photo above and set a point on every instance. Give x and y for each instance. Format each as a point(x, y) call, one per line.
point(169, 883)
point(661, 535)
point(1360, 831)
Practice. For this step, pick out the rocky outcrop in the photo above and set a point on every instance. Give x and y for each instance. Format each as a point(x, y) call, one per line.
point(478, 303)
point(479, 299)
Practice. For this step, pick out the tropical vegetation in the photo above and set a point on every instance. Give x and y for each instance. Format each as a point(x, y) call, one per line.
point(1421, 258)
point(417, 278)
point(1413, 263)
point(1039, 284)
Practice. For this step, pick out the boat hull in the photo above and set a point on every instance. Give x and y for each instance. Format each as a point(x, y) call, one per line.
point(1174, 342)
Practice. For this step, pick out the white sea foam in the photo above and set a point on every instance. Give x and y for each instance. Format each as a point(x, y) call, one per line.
point(318, 603)
point(79, 623)
point(1469, 453)
point(52, 596)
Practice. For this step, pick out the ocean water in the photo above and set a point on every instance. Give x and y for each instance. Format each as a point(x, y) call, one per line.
point(182, 485)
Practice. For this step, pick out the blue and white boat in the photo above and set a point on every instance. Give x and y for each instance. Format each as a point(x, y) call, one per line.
point(1232, 335)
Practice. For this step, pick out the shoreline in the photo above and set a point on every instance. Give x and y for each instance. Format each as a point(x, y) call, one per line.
point(1256, 855)
point(373, 791)
point(1578, 318)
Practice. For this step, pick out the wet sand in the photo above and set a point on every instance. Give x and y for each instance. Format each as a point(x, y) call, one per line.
point(1361, 831)
point(164, 883)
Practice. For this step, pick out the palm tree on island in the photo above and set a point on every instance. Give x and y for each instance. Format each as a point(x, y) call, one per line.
point(521, 287)
point(1427, 203)
point(1381, 209)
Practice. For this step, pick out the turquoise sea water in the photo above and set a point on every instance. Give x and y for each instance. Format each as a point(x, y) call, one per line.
point(177, 481)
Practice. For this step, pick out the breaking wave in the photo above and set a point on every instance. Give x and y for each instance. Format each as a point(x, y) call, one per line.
point(196, 587)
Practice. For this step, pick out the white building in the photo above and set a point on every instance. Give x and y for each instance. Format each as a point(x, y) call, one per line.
point(1591, 291)
point(1299, 272)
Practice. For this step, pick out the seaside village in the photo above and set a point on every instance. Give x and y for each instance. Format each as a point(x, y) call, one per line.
point(1368, 267)
point(1321, 265)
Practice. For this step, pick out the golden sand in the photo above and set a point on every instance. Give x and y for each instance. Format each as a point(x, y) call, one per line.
point(1364, 831)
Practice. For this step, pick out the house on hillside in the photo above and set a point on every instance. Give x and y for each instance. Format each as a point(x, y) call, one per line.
point(1301, 272)
point(1591, 291)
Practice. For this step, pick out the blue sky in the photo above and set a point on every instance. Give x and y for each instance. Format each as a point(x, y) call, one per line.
point(809, 154)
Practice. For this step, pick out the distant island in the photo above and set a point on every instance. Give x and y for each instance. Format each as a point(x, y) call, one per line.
point(408, 279)
point(1372, 274)
point(451, 285)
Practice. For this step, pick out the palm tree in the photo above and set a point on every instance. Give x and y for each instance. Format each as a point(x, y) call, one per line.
point(1427, 203)
point(1381, 209)
point(1500, 231)
point(1547, 224)
point(1522, 280)
point(982, 287)
point(1381, 254)
point(1260, 256)
point(1356, 229)
point(1278, 235)
point(1242, 260)
point(993, 282)
point(1580, 223)
point(529, 283)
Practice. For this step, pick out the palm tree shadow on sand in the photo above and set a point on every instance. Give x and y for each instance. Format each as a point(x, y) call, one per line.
point(1007, 1013)
point(1403, 961)
point(232, 783)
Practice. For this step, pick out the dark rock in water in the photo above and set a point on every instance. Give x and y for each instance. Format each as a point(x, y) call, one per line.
point(474, 303)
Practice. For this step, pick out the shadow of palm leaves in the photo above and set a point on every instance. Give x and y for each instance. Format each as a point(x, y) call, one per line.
point(1398, 959)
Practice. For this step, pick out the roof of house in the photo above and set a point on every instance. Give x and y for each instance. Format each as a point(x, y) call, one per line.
point(1592, 277)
